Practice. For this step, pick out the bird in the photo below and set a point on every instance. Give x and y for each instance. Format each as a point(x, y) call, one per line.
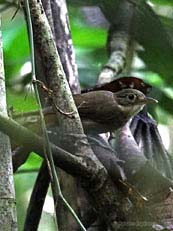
point(100, 111)
point(121, 83)
point(105, 111)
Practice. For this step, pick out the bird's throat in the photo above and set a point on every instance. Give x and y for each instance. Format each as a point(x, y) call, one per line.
point(131, 110)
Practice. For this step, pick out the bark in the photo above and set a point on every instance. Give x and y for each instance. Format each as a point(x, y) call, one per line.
point(136, 167)
point(106, 199)
point(8, 219)
point(71, 133)
point(120, 40)
point(127, 148)
point(56, 12)
point(64, 43)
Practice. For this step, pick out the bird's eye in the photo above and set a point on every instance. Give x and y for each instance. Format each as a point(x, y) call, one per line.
point(131, 97)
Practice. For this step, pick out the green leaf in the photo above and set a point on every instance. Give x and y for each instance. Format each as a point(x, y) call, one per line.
point(90, 62)
point(15, 43)
point(157, 44)
point(21, 102)
point(88, 37)
point(33, 162)
point(162, 2)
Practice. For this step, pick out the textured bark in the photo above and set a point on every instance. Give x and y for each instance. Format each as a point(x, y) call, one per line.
point(105, 197)
point(119, 41)
point(48, 12)
point(71, 133)
point(56, 12)
point(105, 201)
point(64, 43)
point(8, 219)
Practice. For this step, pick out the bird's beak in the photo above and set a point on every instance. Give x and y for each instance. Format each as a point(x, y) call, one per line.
point(150, 100)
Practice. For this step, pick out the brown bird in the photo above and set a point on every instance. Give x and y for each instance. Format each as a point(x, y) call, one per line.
point(120, 84)
point(105, 111)
point(100, 111)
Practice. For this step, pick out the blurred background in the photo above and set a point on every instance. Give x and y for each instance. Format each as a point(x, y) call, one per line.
point(153, 62)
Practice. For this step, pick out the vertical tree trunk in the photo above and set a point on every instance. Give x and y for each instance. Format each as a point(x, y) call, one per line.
point(57, 14)
point(8, 219)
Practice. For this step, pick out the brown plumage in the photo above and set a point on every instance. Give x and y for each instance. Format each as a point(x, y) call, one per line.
point(103, 111)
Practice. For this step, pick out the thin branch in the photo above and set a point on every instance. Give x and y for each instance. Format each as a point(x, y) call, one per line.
point(40, 188)
point(19, 156)
point(48, 12)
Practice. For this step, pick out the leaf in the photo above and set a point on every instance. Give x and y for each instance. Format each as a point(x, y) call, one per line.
point(21, 102)
point(16, 47)
point(33, 162)
point(162, 2)
point(157, 44)
point(23, 187)
point(90, 62)
point(84, 35)
point(164, 100)
point(149, 32)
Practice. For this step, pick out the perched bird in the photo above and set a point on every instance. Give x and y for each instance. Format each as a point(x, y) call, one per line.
point(100, 110)
point(105, 111)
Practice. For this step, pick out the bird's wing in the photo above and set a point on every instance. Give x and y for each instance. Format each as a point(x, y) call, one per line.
point(97, 106)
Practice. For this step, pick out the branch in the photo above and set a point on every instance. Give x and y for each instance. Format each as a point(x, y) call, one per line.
point(48, 12)
point(119, 40)
point(38, 196)
point(70, 131)
point(88, 168)
point(56, 12)
point(19, 156)
point(35, 143)
point(138, 169)
point(64, 43)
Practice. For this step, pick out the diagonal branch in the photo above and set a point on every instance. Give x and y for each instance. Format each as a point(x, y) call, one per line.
point(120, 41)
point(88, 168)
point(56, 12)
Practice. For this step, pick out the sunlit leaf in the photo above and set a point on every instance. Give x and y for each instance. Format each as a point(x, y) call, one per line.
point(33, 162)
point(162, 2)
point(88, 37)
point(21, 102)
point(16, 47)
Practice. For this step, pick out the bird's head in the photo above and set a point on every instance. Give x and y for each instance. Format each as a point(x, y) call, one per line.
point(131, 101)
